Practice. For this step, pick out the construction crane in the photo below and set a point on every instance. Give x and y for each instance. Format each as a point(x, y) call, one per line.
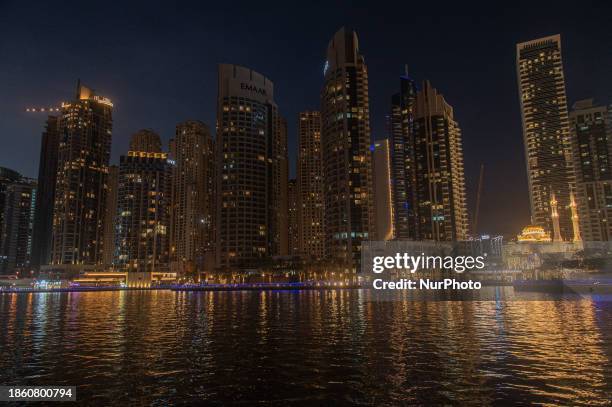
point(478, 193)
point(42, 109)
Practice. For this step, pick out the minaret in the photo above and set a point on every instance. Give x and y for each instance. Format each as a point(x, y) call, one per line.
point(555, 218)
point(573, 206)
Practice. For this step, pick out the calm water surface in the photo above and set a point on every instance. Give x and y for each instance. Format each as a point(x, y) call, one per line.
point(307, 348)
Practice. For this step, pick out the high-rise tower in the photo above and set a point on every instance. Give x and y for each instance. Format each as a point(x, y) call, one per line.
point(146, 140)
point(193, 192)
point(292, 204)
point(251, 170)
point(591, 140)
point(545, 130)
point(17, 226)
point(401, 145)
point(7, 177)
point(345, 134)
point(383, 200)
point(440, 179)
point(279, 194)
point(110, 217)
point(311, 235)
point(47, 177)
point(143, 207)
point(85, 133)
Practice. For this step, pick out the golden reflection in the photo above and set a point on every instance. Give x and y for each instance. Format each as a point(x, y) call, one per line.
point(323, 342)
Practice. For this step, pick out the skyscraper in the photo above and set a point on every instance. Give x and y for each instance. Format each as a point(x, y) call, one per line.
point(146, 140)
point(193, 193)
point(345, 133)
point(401, 145)
point(251, 152)
point(293, 236)
point(440, 178)
point(383, 200)
point(110, 217)
point(143, 208)
point(85, 134)
point(545, 130)
point(279, 169)
point(311, 235)
point(47, 176)
point(591, 140)
point(7, 177)
point(17, 226)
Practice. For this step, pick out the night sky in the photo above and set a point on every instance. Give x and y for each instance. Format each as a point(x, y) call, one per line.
point(158, 64)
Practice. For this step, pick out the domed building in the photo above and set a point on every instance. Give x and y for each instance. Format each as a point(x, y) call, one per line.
point(534, 234)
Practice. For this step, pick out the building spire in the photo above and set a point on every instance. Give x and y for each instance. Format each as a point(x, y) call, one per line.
point(575, 220)
point(555, 218)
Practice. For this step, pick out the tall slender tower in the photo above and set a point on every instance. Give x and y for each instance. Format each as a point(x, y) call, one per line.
point(440, 177)
point(47, 176)
point(591, 139)
point(545, 130)
point(293, 238)
point(251, 170)
point(193, 192)
point(345, 134)
point(85, 134)
point(383, 200)
point(17, 227)
point(7, 177)
point(143, 207)
point(401, 145)
point(311, 235)
point(279, 195)
point(110, 218)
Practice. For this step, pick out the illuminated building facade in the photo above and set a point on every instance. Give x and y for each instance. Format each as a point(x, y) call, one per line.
point(401, 144)
point(533, 233)
point(383, 199)
point(17, 226)
point(545, 130)
point(143, 210)
point(439, 174)
point(293, 236)
point(345, 135)
point(193, 194)
point(311, 235)
point(279, 169)
point(251, 151)
point(85, 134)
point(591, 139)
point(47, 177)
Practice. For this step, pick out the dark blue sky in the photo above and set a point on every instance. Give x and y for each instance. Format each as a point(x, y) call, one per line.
point(157, 62)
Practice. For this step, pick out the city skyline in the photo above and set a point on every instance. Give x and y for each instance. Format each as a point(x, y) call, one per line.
point(503, 210)
point(306, 203)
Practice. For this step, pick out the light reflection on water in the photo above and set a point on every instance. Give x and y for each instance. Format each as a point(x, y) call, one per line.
point(307, 347)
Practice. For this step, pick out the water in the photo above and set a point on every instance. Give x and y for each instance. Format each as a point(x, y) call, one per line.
point(307, 348)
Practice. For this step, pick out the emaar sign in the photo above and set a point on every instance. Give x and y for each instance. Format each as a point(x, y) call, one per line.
point(253, 88)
